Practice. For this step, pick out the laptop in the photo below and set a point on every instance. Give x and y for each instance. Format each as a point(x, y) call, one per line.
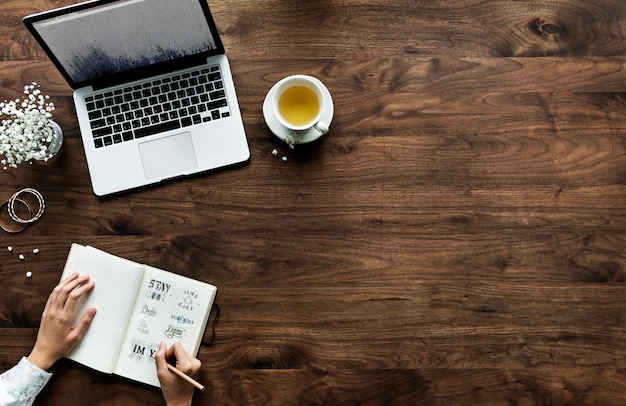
point(153, 90)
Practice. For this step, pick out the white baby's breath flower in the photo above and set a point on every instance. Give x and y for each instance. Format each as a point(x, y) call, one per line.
point(26, 128)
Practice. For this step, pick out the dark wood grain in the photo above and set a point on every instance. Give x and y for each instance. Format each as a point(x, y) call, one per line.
point(457, 238)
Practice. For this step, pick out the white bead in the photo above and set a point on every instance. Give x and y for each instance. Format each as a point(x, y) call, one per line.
point(284, 159)
point(274, 152)
point(36, 251)
point(10, 248)
point(21, 256)
point(29, 274)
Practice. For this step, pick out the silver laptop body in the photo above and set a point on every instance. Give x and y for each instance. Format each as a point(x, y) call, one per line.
point(154, 93)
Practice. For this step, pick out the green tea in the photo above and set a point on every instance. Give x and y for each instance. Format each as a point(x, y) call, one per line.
point(298, 105)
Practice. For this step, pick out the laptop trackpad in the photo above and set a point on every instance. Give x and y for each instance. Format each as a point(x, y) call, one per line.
point(168, 157)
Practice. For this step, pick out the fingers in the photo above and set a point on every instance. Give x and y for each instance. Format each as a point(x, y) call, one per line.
point(184, 361)
point(69, 291)
point(54, 295)
point(75, 294)
point(178, 352)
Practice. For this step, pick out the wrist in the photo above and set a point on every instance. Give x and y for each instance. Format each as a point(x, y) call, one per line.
point(179, 403)
point(40, 360)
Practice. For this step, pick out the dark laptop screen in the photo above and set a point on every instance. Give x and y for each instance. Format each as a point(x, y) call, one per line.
point(103, 39)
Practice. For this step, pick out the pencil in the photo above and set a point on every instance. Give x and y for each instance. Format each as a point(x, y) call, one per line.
point(185, 377)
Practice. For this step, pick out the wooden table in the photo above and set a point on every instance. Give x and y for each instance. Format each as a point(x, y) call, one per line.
point(457, 238)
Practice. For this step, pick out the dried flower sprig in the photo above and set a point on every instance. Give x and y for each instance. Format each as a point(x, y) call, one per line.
point(26, 129)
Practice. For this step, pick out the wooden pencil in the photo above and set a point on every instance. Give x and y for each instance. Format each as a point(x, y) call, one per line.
point(186, 377)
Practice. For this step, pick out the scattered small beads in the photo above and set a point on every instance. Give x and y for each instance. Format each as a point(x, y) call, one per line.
point(29, 274)
point(275, 153)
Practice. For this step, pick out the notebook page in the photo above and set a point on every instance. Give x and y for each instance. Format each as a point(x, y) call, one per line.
point(169, 308)
point(116, 283)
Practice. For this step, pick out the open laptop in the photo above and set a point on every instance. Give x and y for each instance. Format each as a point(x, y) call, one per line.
point(153, 89)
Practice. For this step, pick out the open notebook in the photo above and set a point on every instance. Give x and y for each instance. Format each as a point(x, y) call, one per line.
point(138, 306)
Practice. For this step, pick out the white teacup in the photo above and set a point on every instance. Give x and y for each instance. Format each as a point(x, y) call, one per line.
point(298, 104)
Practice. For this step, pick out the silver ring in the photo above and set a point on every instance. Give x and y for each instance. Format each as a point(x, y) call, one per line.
point(11, 207)
point(14, 230)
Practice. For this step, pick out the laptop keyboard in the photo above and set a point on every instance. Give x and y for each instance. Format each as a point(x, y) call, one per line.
point(160, 105)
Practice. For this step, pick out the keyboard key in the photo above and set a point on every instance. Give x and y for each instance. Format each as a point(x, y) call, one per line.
point(144, 132)
point(95, 115)
point(216, 104)
point(100, 132)
point(217, 95)
point(98, 123)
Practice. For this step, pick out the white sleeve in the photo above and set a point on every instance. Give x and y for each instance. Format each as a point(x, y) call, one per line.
point(21, 384)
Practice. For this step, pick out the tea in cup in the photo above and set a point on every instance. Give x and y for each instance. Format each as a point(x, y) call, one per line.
point(298, 104)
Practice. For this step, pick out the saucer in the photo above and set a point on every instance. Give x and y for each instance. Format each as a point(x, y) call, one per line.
point(282, 132)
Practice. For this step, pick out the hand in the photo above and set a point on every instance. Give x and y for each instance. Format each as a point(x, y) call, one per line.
point(57, 334)
point(176, 391)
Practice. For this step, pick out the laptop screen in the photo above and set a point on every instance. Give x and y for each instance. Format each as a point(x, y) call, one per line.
point(103, 39)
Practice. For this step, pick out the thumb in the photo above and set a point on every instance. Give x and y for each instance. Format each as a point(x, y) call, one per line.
point(84, 322)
